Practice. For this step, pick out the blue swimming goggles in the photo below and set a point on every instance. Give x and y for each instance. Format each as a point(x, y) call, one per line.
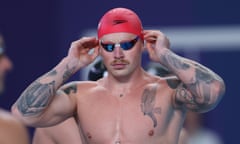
point(124, 45)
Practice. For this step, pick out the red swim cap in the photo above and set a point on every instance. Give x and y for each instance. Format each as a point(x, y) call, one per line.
point(120, 20)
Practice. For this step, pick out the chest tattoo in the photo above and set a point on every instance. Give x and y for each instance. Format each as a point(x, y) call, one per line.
point(148, 104)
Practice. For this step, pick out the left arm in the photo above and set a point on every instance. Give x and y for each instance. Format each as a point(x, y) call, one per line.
point(201, 89)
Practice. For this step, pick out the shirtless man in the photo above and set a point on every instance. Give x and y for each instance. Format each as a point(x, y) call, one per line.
point(128, 105)
point(12, 131)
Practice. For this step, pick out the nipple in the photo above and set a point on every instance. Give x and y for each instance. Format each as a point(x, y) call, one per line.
point(151, 133)
point(89, 135)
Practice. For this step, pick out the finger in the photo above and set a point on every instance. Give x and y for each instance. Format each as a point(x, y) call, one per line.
point(95, 53)
point(151, 51)
point(90, 43)
point(86, 51)
point(151, 39)
point(86, 42)
point(149, 48)
point(146, 31)
point(152, 33)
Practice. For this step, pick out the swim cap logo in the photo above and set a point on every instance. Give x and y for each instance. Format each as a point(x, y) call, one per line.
point(115, 22)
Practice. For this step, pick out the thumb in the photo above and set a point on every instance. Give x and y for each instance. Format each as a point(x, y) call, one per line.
point(150, 49)
point(95, 53)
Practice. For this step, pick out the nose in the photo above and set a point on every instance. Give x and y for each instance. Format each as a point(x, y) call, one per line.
point(118, 52)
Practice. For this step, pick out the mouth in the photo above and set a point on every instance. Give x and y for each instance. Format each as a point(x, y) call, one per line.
point(119, 64)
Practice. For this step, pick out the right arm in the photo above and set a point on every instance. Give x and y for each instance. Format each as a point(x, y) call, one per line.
point(45, 102)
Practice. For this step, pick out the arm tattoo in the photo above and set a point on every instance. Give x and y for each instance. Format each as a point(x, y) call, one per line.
point(173, 83)
point(35, 98)
point(182, 92)
point(203, 74)
point(71, 89)
point(187, 99)
point(200, 90)
point(172, 60)
point(52, 73)
point(68, 73)
point(201, 86)
point(148, 103)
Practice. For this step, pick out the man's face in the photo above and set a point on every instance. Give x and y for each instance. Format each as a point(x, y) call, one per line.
point(121, 53)
point(5, 66)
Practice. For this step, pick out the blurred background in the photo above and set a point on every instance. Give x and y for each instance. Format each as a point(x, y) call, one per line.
point(39, 33)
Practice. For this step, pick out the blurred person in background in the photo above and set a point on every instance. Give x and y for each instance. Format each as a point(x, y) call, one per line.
point(5, 64)
point(197, 133)
point(12, 131)
point(66, 132)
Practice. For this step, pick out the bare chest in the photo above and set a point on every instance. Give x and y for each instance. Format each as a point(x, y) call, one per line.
point(138, 117)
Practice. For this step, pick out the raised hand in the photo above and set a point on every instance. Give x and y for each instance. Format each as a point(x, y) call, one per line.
point(81, 50)
point(155, 41)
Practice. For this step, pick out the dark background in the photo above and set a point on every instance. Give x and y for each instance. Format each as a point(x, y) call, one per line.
point(39, 33)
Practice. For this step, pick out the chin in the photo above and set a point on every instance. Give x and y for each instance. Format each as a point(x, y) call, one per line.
point(121, 73)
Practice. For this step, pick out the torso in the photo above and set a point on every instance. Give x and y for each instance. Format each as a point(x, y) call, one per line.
point(144, 115)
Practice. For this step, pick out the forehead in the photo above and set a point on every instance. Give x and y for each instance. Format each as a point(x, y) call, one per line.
point(118, 37)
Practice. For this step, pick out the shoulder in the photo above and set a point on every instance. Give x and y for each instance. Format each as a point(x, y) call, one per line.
point(170, 86)
point(170, 81)
point(74, 86)
point(161, 86)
